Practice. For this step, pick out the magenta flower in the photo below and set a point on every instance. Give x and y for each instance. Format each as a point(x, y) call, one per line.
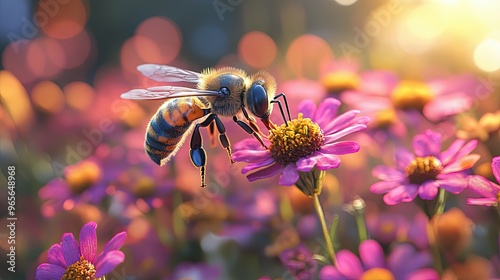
point(71, 257)
point(425, 171)
point(309, 141)
point(83, 182)
point(299, 262)
point(403, 263)
point(436, 99)
point(489, 190)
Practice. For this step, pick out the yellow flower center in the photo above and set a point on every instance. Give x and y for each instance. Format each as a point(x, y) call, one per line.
point(341, 80)
point(377, 273)
point(300, 138)
point(144, 187)
point(385, 118)
point(83, 176)
point(411, 95)
point(81, 270)
point(422, 169)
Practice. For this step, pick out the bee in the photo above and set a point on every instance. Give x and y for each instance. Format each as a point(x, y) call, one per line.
point(219, 92)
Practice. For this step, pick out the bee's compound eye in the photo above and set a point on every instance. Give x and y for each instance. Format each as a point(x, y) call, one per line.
point(225, 91)
point(257, 101)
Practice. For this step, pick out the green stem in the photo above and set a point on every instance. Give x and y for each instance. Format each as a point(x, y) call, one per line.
point(360, 221)
point(328, 240)
point(436, 254)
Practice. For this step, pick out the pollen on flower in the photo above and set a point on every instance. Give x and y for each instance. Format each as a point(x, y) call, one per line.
point(385, 118)
point(340, 81)
point(377, 273)
point(81, 270)
point(422, 169)
point(411, 95)
point(299, 138)
point(82, 176)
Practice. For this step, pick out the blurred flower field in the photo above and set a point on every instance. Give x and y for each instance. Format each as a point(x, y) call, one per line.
point(386, 167)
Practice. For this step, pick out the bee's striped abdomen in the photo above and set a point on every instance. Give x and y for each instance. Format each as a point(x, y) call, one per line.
point(167, 129)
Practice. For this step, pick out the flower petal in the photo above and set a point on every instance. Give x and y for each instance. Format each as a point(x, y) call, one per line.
point(340, 148)
point(340, 122)
point(109, 262)
point(428, 190)
point(403, 193)
point(465, 150)
point(349, 265)
point(371, 254)
point(326, 111)
point(388, 173)
point(55, 256)
point(114, 244)
point(70, 249)
point(489, 201)
point(461, 164)
point(454, 183)
point(256, 165)
point(424, 273)
point(249, 144)
point(446, 106)
point(449, 154)
point(307, 108)
point(404, 259)
point(267, 172)
point(88, 241)
point(482, 186)
point(251, 155)
point(326, 161)
point(495, 167)
point(403, 158)
point(427, 144)
point(289, 175)
point(329, 272)
point(330, 138)
point(384, 186)
point(47, 271)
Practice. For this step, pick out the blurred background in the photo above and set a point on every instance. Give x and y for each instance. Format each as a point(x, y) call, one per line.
point(64, 64)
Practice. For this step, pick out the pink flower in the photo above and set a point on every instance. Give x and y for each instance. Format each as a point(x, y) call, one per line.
point(70, 257)
point(489, 190)
point(403, 263)
point(302, 144)
point(436, 99)
point(428, 169)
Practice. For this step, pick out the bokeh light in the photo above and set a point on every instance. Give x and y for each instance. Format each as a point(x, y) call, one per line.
point(487, 55)
point(61, 20)
point(15, 99)
point(346, 2)
point(48, 96)
point(11, 15)
point(306, 54)
point(44, 57)
point(164, 42)
point(257, 49)
point(79, 95)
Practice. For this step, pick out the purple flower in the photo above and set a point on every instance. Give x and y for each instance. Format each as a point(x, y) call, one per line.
point(299, 262)
point(428, 169)
point(489, 190)
point(403, 263)
point(302, 144)
point(71, 257)
point(436, 99)
point(83, 182)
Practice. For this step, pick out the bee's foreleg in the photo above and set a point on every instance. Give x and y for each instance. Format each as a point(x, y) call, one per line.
point(249, 130)
point(211, 134)
point(198, 154)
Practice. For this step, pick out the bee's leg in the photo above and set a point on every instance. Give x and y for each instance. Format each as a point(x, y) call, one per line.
point(211, 134)
point(251, 121)
point(198, 154)
point(249, 130)
point(222, 136)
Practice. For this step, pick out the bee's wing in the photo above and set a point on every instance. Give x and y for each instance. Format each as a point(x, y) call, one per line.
point(164, 92)
point(165, 73)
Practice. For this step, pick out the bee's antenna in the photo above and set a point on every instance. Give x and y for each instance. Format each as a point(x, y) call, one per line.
point(275, 100)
